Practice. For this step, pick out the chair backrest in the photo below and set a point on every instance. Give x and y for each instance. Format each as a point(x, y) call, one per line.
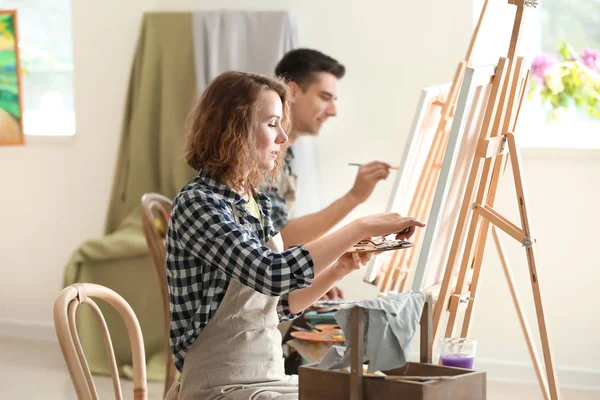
point(156, 209)
point(65, 308)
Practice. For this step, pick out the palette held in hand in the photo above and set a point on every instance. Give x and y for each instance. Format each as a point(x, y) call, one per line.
point(327, 335)
point(379, 245)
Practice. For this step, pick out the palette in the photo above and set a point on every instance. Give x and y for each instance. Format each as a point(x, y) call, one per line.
point(379, 245)
point(328, 336)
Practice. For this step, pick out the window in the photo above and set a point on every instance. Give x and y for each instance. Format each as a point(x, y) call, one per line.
point(577, 21)
point(45, 43)
point(553, 21)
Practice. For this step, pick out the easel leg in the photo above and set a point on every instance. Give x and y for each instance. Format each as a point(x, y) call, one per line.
point(524, 325)
point(516, 300)
point(473, 247)
point(547, 348)
point(533, 274)
point(476, 267)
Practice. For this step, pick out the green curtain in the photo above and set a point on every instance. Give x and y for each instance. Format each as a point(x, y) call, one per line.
point(161, 93)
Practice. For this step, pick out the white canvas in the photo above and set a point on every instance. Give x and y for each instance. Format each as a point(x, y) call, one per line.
point(425, 123)
point(451, 185)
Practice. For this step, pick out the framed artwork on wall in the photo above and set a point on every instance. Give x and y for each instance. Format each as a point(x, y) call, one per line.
point(11, 102)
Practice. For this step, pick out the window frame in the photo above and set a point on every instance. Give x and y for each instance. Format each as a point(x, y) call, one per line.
point(65, 132)
point(578, 134)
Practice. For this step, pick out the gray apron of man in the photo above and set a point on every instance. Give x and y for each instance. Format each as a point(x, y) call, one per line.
point(287, 187)
point(238, 354)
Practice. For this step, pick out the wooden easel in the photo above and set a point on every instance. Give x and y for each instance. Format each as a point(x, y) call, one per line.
point(394, 278)
point(496, 144)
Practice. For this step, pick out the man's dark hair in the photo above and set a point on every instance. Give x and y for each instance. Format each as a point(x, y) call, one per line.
point(301, 65)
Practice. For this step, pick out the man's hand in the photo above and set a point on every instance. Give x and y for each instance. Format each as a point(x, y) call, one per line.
point(366, 179)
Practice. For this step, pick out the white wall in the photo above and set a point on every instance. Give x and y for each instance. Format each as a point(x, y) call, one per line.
point(55, 195)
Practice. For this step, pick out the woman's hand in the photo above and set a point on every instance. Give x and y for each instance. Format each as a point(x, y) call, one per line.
point(300, 299)
point(327, 250)
point(351, 261)
point(387, 223)
point(335, 293)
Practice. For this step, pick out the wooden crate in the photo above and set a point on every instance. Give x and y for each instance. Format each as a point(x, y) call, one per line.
point(318, 384)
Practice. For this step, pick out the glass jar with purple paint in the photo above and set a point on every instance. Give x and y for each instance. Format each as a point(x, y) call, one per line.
point(458, 352)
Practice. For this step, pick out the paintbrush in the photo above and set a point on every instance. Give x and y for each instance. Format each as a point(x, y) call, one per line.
point(358, 165)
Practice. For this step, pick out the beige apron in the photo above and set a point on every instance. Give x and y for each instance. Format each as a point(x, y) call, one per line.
point(238, 354)
point(287, 187)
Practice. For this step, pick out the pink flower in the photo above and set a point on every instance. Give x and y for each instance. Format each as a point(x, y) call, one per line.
point(589, 58)
point(540, 64)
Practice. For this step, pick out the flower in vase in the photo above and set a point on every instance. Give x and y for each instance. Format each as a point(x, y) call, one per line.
point(589, 58)
point(553, 79)
point(556, 113)
point(541, 64)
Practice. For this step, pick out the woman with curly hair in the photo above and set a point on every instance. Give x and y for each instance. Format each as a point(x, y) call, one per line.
point(230, 280)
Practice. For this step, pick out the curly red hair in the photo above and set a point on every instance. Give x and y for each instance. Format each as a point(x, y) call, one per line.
point(220, 135)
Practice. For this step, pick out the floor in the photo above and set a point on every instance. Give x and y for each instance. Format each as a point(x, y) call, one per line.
point(33, 370)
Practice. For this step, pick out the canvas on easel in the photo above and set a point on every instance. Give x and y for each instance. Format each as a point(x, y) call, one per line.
point(414, 159)
point(451, 184)
point(496, 144)
point(11, 103)
point(414, 187)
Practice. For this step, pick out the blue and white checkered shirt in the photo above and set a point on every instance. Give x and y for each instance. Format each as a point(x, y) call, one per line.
point(279, 214)
point(206, 248)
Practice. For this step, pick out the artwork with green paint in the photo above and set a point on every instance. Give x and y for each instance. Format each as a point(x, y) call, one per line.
point(11, 131)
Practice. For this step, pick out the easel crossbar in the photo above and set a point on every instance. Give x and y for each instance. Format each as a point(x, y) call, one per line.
point(495, 218)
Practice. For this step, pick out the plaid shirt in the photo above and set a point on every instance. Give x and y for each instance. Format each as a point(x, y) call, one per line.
point(206, 248)
point(279, 214)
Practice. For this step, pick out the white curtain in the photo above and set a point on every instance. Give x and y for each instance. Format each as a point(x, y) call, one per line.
point(249, 41)
point(254, 41)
